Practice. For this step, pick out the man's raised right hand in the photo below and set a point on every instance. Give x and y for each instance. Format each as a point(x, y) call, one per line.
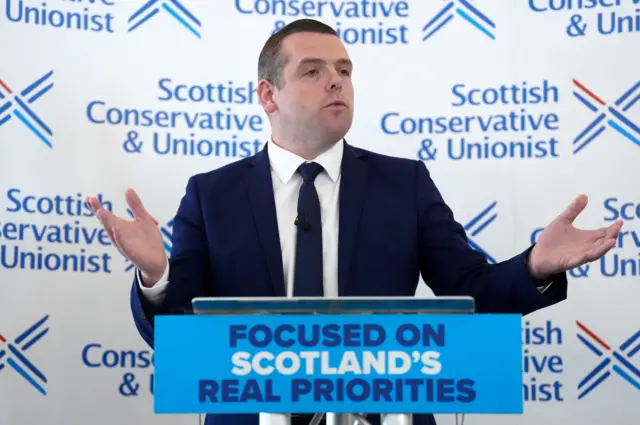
point(138, 240)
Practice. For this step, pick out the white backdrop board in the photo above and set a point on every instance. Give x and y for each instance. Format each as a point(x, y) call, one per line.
point(516, 107)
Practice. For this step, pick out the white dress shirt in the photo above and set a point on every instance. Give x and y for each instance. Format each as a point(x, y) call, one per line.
point(286, 186)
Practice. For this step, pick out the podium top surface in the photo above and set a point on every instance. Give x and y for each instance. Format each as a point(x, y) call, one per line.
point(338, 305)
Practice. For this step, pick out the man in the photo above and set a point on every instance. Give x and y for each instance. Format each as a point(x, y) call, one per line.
point(311, 215)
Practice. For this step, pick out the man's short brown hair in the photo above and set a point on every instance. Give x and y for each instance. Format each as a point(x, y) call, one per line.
point(271, 61)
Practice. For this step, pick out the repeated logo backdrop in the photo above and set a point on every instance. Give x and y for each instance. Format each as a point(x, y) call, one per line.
point(516, 107)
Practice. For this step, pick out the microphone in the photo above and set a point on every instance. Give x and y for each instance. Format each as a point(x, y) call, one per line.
point(301, 222)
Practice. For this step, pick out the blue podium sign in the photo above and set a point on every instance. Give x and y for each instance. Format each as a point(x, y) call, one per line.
point(369, 363)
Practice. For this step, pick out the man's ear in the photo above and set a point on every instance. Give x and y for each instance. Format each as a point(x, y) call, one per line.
point(266, 93)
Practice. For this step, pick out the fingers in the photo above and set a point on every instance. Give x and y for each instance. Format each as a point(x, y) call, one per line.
point(595, 252)
point(597, 245)
point(111, 233)
point(134, 202)
point(575, 208)
point(614, 230)
point(93, 203)
point(107, 218)
point(114, 235)
point(599, 250)
point(609, 233)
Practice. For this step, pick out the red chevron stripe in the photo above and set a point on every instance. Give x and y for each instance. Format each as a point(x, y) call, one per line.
point(592, 335)
point(5, 87)
point(589, 92)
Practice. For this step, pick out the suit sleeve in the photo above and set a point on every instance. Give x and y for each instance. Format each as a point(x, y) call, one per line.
point(188, 267)
point(450, 267)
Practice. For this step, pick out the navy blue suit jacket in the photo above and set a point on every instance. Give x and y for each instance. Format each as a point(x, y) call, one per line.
point(394, 225)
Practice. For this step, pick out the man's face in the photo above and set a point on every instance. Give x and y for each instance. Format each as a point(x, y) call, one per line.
point(315, 102)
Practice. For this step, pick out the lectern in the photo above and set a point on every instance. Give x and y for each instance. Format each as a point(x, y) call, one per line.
point(346, 358)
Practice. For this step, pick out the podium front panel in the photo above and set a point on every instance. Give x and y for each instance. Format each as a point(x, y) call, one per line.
point(336, 362)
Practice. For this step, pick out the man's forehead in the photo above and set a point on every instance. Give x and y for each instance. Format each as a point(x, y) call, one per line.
point(302, 46)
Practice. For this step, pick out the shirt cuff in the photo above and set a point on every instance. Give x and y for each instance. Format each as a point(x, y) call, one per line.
point(156, 293)
point(543, 288)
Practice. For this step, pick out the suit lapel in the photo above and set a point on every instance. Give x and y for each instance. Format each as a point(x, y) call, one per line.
point(259, 186)
point(352, 189)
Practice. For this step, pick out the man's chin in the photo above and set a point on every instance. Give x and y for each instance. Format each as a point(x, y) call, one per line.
point(337, 130)
point(335, 135)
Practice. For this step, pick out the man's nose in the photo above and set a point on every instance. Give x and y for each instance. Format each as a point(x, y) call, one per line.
point(335, 81)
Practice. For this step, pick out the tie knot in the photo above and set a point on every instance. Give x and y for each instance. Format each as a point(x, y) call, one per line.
point(310, 171)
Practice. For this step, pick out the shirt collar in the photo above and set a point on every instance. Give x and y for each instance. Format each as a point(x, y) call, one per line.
point(286, 163)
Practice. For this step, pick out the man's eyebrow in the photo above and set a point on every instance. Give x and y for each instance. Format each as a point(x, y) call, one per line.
point(318, 61)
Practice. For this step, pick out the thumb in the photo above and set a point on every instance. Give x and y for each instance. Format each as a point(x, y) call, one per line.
point(575, 208)
point(134, 202)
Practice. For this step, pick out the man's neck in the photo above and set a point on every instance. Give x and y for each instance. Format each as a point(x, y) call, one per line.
point(306, 150)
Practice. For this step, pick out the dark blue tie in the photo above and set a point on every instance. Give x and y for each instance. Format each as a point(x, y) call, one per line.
point(308, 268)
